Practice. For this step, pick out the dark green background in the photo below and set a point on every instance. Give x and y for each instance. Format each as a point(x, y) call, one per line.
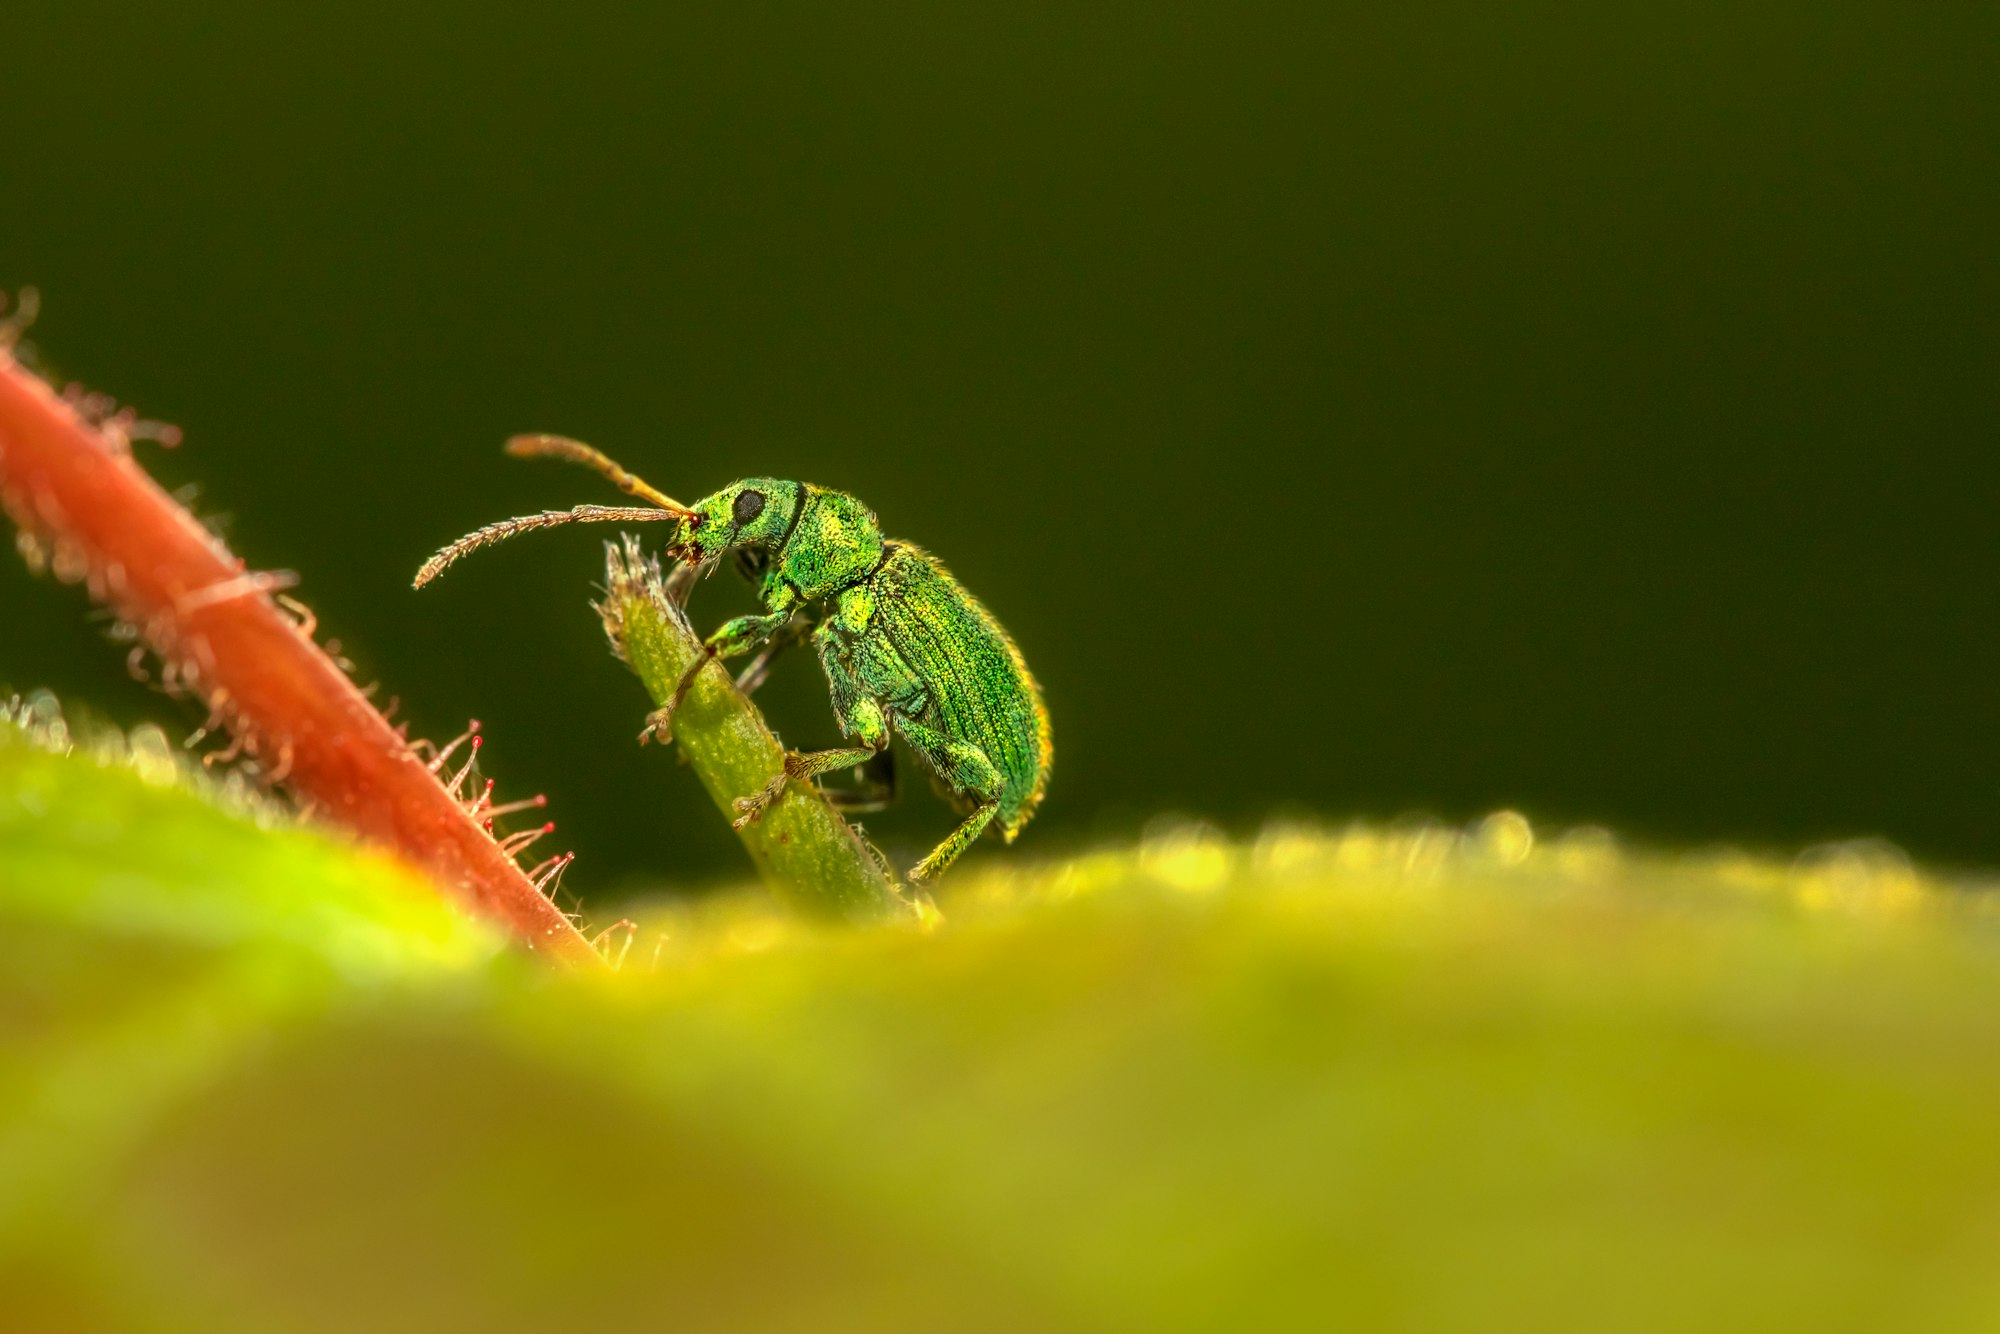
point(1351, 408)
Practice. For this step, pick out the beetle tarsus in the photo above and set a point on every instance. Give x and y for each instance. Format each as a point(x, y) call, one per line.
point(659, 727)
point(754, 806)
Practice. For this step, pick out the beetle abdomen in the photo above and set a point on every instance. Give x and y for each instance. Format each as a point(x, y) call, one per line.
point(978, 688)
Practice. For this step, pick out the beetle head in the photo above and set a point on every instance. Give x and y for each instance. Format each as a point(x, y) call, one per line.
point(756, 512)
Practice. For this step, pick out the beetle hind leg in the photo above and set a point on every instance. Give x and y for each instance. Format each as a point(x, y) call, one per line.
point(965, 769)
point(945, 853)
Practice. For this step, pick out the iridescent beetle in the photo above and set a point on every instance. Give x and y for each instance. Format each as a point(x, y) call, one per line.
point(905, 647)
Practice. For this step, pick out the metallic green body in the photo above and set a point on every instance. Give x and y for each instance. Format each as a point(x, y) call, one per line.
point(906, 650)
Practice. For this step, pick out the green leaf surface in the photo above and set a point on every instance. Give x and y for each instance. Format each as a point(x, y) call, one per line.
point(1420, 1078)
point(151, 934)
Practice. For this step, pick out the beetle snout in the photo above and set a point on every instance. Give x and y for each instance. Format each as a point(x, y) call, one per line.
point(683, 545)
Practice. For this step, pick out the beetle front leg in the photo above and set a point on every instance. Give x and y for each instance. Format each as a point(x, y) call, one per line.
point(731, 639)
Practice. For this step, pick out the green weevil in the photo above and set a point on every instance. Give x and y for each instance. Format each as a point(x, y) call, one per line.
point(906, 649)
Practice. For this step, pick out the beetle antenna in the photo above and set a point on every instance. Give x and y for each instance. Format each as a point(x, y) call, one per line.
point(500, 532)
point(575, 451)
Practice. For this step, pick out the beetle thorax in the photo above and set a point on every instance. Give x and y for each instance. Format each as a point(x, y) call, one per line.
point(835, 542)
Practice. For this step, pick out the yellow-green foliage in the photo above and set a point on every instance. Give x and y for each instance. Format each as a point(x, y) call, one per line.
point(1417, 1078)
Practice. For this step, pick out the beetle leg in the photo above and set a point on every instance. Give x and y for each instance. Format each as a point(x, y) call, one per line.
point(965, 768)
point(864, 720)
point(753, 676)
point(738, 636)
point(732, 638)
point(957, 841)
point(798, 764)
point(660, 722)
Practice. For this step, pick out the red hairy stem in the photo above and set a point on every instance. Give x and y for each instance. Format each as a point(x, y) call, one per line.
point(78, 496)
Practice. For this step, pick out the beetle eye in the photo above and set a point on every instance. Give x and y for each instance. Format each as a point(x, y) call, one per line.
point(749, 504)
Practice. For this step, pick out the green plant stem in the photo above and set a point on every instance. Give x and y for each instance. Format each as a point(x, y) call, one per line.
point(811, 858)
